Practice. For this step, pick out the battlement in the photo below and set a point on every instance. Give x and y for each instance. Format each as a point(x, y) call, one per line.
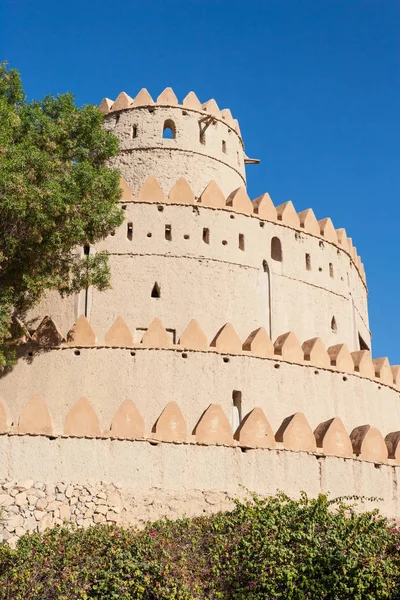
point(212, 427)
point(226, 341)
point(168, 99)
point(261, 208)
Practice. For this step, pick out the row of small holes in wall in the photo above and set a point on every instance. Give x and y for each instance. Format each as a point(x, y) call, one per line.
point(236, 395)
point(168, 235)
point(309, 267)
point(276, 246)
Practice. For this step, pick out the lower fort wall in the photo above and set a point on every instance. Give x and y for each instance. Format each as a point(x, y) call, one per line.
point(152, 378)
point(47, 481)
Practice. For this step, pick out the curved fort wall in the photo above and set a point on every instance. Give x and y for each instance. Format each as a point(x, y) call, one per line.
point(220, 263)
point(205, 142)
point(159, 433)
point(140, 411)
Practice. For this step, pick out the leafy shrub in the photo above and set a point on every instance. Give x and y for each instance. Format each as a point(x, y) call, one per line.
point(271, 549)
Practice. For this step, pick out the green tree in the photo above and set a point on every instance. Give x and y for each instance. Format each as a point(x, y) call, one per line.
point(56, 194)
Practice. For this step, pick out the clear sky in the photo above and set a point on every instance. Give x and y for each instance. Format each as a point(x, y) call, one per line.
point(314, 84)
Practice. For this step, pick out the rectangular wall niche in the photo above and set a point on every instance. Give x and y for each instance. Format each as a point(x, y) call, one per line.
point(236, 409)
point(129, 231)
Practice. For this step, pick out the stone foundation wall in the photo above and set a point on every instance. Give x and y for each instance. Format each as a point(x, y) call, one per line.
point(28, 506)
point(46, 481)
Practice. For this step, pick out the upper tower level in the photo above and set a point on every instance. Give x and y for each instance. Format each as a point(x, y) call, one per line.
point(170, 140)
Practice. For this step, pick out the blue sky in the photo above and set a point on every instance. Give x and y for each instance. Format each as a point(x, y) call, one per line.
point(314, 84)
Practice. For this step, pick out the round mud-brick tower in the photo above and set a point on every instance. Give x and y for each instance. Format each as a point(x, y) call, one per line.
point(196, 141)
point(229, 325)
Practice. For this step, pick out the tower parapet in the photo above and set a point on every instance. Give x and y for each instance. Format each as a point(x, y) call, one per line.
point(169, 140)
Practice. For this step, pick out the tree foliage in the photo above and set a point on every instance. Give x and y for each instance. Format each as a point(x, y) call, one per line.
point(56, 194)
point(272, 549)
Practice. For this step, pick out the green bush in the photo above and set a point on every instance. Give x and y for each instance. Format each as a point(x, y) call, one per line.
point(269, 549)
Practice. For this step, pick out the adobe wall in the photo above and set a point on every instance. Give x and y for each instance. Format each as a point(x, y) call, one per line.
point(152, 378)
point(219, 282)
point(185, 156)
point(87, 481)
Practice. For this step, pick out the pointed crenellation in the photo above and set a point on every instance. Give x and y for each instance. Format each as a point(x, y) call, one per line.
point(126, 191)
point(259, 343)
point(287, 214)
point(143, 98)
point(127, 423)
point(383, 372)
point(264, 207)
point(315, 353)
point(212, 196)
point(193, 338)
point(156, 336)
point(82, 421)
point(351, 249)
point(288, 347)
point(295, 433)
point(122, 101)
point(213, 427)
point(192, 101)
point(181, 193)
point(363, 274)
point(333, 439)
point(105, 105)
point(227, 116)
point(81, 333)
point(396, 375)
point(4, 417)
point(327, 230)
point(170, 425)
point(35, 417)
point(237, 128)
point(227, 340)
point(340, 358)
point(211, 107)
point(308, 221)
point(119, 334)
point(363, 363)
point(342, 238)
point(240, 202)
point(392, 441)
point(168, 97)
point(255, 431)
point(151, 191)
point(48, 334)
point(369, 444)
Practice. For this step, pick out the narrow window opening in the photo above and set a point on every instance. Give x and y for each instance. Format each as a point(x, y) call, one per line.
point(362, 343)
point(241, 241)
point(206, 235)
point(86, 250)
point(202, 136)
point(133, 131)
point(236, 409)
point(156, 291)
point(116, 120)
point(169, 131)
point(308, 262)
point(223, 146)
point(129, 231)
point(276, 249)
point(334, 325)
point(168, 233)
point(331, 270)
